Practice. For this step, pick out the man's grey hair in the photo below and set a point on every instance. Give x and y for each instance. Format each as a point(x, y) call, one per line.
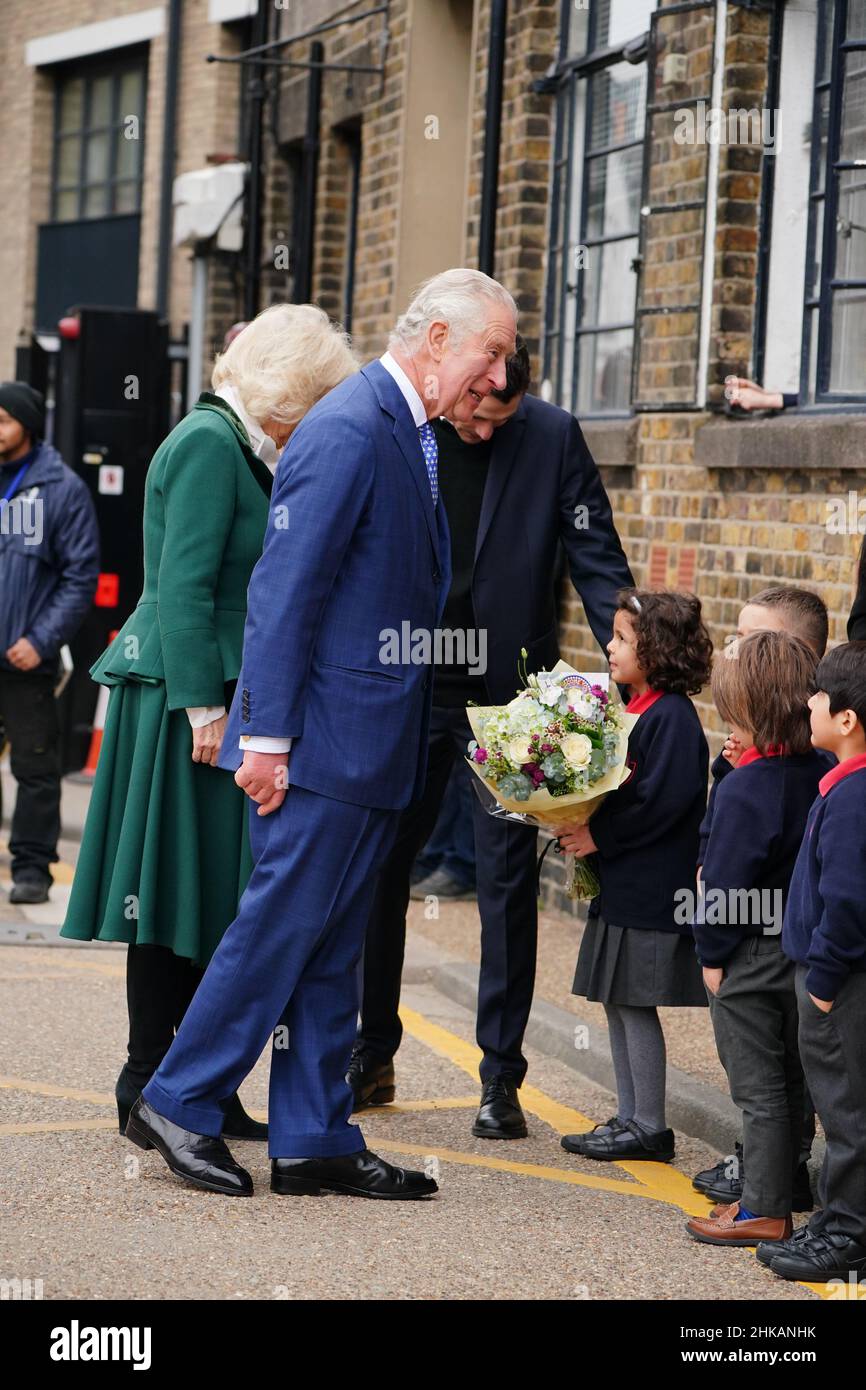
point(450, 297)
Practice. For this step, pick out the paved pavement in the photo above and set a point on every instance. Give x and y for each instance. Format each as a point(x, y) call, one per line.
point(94, 1218)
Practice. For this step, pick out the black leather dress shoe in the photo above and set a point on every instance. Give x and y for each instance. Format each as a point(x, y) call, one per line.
point(197, 1158)
point(574, 1142)
point(371, 1079)
point(361, 1174)
point(630, 1143)
point(819, 1257)
point(499, 1115)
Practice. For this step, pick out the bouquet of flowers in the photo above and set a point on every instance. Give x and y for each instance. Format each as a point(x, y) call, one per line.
point(552, 753)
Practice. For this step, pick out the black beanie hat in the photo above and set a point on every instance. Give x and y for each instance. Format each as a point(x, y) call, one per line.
point(25, 405)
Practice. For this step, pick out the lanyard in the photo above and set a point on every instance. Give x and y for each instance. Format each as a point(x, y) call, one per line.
point(17, 480)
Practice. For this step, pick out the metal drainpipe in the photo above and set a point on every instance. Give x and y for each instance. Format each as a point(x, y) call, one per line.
point(169, 128)
point(257, 95)
point(492, 132)
point(304, 275)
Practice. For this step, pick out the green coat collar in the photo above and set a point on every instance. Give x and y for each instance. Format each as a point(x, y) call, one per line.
point(260, 470)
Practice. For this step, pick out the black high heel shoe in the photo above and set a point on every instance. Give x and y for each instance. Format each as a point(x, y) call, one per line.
point(238, 1124)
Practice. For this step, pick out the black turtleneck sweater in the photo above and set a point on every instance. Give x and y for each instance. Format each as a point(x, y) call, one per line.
point(462, 478)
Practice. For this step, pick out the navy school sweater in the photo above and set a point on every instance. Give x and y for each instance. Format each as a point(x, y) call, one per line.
point(647, 830)
point(757, 827)
point(720, 768)
point(825, 919)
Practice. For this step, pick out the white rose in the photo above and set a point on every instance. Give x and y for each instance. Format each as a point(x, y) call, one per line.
point(576, 749)
point(517, 751)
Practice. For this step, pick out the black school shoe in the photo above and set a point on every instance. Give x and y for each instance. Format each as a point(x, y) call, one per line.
point(371, 1079)
point(30, 888)
point(717, 1183)
point(631, 1142)
point(819, 1257)
point(574, 1143)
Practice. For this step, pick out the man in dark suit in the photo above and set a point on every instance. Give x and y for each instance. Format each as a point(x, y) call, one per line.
point(518, 482)
point(332, 732)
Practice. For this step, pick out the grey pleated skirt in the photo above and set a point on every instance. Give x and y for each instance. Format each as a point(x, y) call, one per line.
point(638, 968)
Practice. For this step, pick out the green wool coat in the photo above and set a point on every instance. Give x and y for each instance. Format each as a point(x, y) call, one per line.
point(165, 854)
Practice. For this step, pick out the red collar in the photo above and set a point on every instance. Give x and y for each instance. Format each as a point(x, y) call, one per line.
point(638, 703)
point(843, 769)
point(751, 755)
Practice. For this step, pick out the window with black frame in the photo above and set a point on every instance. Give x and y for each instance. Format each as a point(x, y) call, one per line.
point(598, 159)
point(834, 321)
point(99, 140)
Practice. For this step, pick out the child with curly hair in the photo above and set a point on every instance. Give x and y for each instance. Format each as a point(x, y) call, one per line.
point(637, 951)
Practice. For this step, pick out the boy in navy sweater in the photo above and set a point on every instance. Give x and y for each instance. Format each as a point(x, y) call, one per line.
point(803, 614)
point(824, 932)
point(761, 688)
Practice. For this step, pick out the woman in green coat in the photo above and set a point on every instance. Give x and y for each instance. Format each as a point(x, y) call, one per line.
point(165, 855)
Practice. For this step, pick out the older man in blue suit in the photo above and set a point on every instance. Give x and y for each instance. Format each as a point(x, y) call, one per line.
point(334, 741)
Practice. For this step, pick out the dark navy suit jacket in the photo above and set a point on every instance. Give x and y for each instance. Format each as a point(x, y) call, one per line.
point(353, 551)
point(541, 477)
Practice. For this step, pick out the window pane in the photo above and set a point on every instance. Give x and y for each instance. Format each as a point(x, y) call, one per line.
point(128, 152)
point(71, 105)
point(812, 382)
point(614, 193)
point(100, 102)
point(813, 287)
point(609, 283)
point(96, 201)
point(69, 160)
point(618, 20)
point(126, 197)
point(822, 69)
point(617, 105)
point(849, 341)
point(578, 27)
point(853, 144)
point(855, 27)
point(98, 150)
point(130, 94)
point(66, 209)
point(821, 135)
point(604, 381)
point(851, 227)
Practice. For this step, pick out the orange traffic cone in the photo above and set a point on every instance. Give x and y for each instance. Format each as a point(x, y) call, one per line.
point(89, 769)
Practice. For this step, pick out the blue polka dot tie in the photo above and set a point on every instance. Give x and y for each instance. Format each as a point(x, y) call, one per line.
point(427, 436)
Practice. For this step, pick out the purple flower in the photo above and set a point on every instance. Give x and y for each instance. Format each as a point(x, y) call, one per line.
point(547, 747)
point(480, 755)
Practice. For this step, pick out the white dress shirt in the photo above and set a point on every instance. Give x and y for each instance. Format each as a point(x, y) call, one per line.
point(253, 743)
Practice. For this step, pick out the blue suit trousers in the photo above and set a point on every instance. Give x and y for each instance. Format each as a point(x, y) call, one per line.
point(286, 972)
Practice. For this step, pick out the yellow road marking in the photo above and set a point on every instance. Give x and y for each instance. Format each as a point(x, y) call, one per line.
point(660, 1180)
point(57, 1126)
point(45, 1088)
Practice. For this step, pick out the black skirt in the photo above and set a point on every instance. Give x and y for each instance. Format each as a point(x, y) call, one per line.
point(638, 968)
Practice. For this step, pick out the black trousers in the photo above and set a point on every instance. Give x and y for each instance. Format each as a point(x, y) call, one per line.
point(28, 718)
point(507, 903)
point(833, 1050)
point(159, 987)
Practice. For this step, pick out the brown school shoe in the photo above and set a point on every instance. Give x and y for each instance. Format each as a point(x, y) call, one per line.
point(721, 1227)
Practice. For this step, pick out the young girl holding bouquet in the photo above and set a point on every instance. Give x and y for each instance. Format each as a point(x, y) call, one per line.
point(637, 951)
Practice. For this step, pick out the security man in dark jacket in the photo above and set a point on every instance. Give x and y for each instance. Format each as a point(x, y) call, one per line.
point(517, 482)
point(49, 563)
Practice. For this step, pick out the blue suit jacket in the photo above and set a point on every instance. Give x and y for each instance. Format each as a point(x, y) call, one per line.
point(354, 550)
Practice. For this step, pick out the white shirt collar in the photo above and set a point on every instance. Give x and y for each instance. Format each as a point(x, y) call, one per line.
point(262, 443)
point(413, 400)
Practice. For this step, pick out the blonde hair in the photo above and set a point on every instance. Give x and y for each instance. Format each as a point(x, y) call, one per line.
point(284, 361)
